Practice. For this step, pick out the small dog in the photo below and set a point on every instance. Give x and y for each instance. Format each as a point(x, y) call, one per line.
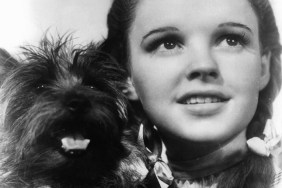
point(65, 121)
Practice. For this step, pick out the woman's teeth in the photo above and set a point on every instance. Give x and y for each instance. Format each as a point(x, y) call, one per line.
point(203, 100)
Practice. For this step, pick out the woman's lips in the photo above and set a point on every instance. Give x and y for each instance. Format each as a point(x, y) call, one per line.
point(204, 103)
point(202, 100)
point(203, 97)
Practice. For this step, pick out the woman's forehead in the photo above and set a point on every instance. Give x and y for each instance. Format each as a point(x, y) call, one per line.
point(192, 13)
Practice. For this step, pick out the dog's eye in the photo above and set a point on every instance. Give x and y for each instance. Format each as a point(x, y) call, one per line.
point(41, 87)
point(91, 87)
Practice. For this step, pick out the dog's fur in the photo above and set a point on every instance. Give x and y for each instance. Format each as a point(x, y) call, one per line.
point(55, 92)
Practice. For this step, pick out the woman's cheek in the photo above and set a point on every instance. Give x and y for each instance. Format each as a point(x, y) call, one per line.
point(241, 70)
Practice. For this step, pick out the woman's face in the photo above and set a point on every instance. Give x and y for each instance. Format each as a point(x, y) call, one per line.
point(196, 66)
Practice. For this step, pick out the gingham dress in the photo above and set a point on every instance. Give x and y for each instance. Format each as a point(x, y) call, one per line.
point(277, 180)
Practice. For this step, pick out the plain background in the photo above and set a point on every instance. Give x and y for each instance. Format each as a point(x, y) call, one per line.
point(24, 22)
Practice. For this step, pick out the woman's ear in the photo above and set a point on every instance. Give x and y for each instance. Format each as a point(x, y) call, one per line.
point(265, 70)
point(130, 91)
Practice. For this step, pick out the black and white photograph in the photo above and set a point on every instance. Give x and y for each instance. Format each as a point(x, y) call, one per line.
point(140, 94)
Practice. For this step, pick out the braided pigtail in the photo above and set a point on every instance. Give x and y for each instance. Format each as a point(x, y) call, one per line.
point(253, 172)
point(269, 37)
point(259, 171)
point(152, 141)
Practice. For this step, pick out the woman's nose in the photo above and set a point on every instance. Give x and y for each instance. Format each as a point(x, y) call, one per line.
point(202, 65)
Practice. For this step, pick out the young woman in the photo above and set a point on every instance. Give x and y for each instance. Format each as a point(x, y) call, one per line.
point(206, 73)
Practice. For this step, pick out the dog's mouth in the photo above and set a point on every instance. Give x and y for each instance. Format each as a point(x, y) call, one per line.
point(74, 144)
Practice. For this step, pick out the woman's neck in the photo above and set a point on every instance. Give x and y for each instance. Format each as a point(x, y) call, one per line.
point(206, 159)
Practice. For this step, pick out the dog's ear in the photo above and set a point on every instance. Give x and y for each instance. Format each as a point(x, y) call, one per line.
point(7, 63)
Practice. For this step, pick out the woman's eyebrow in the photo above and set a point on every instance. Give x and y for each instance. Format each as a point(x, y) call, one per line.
point(234, 24)
point(160, 30)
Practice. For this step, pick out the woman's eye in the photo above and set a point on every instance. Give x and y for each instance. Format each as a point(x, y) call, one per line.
point(170, 44)
point(168, 48)
point(232, 41)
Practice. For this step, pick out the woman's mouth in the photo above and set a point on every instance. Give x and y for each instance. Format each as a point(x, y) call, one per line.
point(203, 100)
point(206, 97)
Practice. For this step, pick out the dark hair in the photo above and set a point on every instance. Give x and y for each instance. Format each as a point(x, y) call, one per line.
point(269, 39)
point(120, 18)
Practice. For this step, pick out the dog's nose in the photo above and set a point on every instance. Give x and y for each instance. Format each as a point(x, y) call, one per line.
point(78, 105)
